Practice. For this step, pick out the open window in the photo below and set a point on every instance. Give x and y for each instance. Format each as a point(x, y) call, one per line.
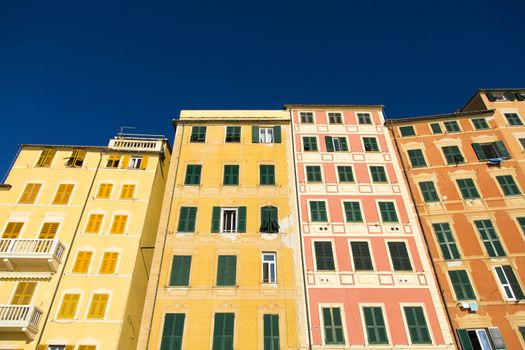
point(491, 150)
point(269, 220)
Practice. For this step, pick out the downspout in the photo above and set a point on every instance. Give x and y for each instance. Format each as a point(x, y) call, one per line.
point(420, 223)
point(303, 263)
point(66, 259)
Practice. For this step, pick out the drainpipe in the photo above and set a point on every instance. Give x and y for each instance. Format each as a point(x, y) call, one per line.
point(420, 223)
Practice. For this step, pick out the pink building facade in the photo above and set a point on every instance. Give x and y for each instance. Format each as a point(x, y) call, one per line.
point(368, 277)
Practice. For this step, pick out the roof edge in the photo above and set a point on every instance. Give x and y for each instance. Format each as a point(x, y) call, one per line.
point(440, 116)
point(315, 106)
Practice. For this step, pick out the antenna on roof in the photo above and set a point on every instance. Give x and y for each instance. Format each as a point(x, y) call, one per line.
point(125, 127)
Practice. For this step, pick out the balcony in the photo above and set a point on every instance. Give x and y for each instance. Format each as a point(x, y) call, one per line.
point(20, 318)
point(30, 254)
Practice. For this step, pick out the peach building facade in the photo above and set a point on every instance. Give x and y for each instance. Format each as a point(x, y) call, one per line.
point(368, 278)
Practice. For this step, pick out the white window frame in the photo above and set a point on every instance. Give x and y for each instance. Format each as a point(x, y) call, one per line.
point(306, 112)
point(336, 143)
point(506, 288)
point(270, 266)
point(233, 223)
point(328, 118)
point(135, 162)
point(369, 116)
point(266, 135)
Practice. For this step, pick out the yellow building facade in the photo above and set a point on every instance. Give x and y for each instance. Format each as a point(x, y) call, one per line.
point(226, 271)
point(78, 230)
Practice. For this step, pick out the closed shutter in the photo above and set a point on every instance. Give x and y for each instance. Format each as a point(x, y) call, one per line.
point(241, 220)
point(271, 332)
point(502, 149)
point(94, 222)
point(180, 270)
point(277, 134)
point(109, 262)
point(446, 241)
point(388, 212)
point(23, 293)
point(227, 270)
point(216, 219)
point(144, 162)
point(329, 143)
point(68, 307)
point(496, 337)
point(255, 134)
point(344, 143)
point(30, 193)
point(361, 256)
point(461, 285)
point(223, 328)
point(465, 340)
point(46, 157)
point(172, 332)
point(125, 161)
point(490, 96)
point(333, 326)
point(12, 230)
point(49, 230)
point(417, 325)
point(399, 256)
point(63, 194)
point(479, 151)
point(119, 224)
point(324, 256)
point(318, 211)
point(375, 325)
point(490, 238)
point(98, 305)
point(187, 219)
point(82, 262)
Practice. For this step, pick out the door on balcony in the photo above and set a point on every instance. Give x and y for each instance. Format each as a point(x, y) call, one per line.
point(12, 230)
point(48, 231)
point(23, 293)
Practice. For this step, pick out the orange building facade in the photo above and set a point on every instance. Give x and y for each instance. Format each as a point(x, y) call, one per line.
point(467, 178)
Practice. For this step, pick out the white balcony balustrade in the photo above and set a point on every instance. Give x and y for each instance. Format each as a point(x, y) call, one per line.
point(30, 254)
point(20, 318)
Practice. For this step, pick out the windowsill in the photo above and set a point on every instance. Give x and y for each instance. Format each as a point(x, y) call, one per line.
point(225, 287)
point(269, 285)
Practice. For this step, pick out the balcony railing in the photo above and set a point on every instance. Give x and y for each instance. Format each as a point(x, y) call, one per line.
point(20, 318)
point(25, 254)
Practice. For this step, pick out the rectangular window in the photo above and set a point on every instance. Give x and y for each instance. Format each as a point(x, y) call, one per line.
point(198, 134)
point(336, 144)
point(187, 218)
point(370, 144)
point(513, 119)
point(388, 212)
point(127, 191)
point(361, 256)
point(417, 325)
point(310, 144)
point(85, 347)
point(269, 268)
point(467, 188)
point(490, 238)
point(461, 284)
point(180, 271)
point(97, 309)
point(522, 142)
point(23, 293)
point(119, 224)
point(324, 257)
point(521, 222)
point(94, 223)
point(452, 126)
point(226, 271)
point(378, 174)
point(12, 230)
point(113, 162)
point(399, 255)
point(446, 241)
point(82, 262)
point(109, 263)
point(491, 150)
point(429, 191)
point(231, 175)
point(46, 158)
point(267, 174)
point(436, 128)
point(375, 325)
point(63, 194)
point(335, 118)
point(104, 191)
point(416, 158)
point(271, 332)
point(333, 326)
point(30, 193)
point(137, 162)
point(364, 118)
point(480, 339)
point(48, 230)
point(172, 332)
point(233, 134)
point(353, 212)
point(269, 220)
point(228, 220)
point(77, 158)
point(193, 174)
point(453, 155)
point(266, 134)
point(318, 211)
point(313, 173)
point(68, 308)
point(345, 173)
point(509, 283)
point(508, 185)
point(407, 131)
point(307, 117)
point(480, 123)
point(223, 327)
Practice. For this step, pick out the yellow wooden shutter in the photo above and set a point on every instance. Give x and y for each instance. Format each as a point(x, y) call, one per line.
point(119, 224)
point(82, 262)
point(63, 194)
point(94, 222)
point(77, 158)
point(109, 262)
point(125, 162)
point(23, 293)
point(46, 157)
point(144, 162)
point(41, 347)
point(69, 306)
point(87, 347)
point(69, 347)
point(30, 193)
point(49, 230)
point(12, 230)
point(113, 161)
point(104, 190)
point(98, 305)
point(127, 192)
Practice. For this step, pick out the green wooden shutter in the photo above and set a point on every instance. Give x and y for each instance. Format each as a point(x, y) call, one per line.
point(520, 97)
point(399, 256)
point(227, 270)
point(324, 256)
point(353, 212)
point(490, 96)
point(180, 270)
point(216, 219)
point(513, 281)
point(417, 325)
point(277, 134)
point(241, 219)
point(461, 285)
point(271, 332)
point(465, 340)
point(375, 325)
point(274, 220)
point(265, 219)
point(172, 333)
point(329, 143)
point(223, 331)
point(344, 143)
point(361, 256)
point(255, 134)
point(479, 151)
point(187, 219)
point(446, 241)
point(502, 149)
point(497, 339)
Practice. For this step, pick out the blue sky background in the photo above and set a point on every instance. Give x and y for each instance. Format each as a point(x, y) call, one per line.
point(73, 72)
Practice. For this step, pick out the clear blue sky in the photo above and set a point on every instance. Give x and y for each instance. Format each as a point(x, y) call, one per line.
point(73, 72)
